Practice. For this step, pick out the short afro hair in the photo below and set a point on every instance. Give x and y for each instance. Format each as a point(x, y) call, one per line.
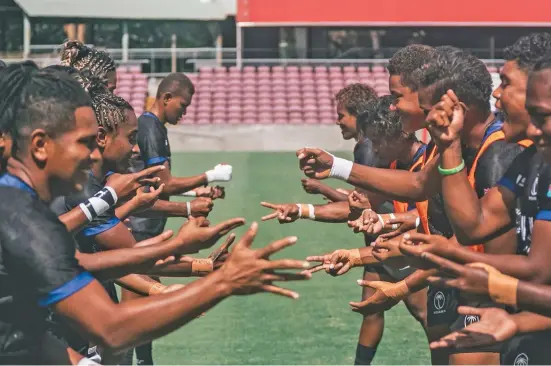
point(175, 83)
point(355, 97)
point(461, 72)
point(408, 59)
point(544, 63)
point(381, 120)
point(527, 51)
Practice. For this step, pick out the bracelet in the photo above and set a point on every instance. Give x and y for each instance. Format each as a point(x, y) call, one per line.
point(201, 267)
point(188, 209)
point(341, 168)
point(96, 205)
point(452, 171)
point(394, 226)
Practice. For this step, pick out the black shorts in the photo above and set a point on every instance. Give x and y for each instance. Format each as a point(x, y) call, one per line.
point(442, 304)
point(528, 349)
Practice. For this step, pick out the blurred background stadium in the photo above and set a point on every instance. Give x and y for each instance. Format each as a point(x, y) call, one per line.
point(266, 72)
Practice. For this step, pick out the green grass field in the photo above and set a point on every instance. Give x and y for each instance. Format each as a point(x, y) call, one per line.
point(318, 328)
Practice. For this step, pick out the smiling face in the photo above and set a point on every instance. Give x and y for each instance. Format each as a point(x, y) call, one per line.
point(538, 104)
point(121, 145)
point(407, 105)
point(346, 122)
point(511, 98)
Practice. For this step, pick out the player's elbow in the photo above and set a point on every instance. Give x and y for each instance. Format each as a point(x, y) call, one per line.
point(420, 189)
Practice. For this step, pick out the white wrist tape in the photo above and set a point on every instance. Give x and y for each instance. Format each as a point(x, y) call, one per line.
point(299, 209)
point(220, 173)
point(311, 212)
point(86, 362)
point(189, 194)
point(381, 220)
point(394, 226)
point(99, 203)
point(417, 222)
point(188, 209)
point(341, 168)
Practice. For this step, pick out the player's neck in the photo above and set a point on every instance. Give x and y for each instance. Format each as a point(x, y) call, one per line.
point(158, 112)
point(99, 169)
point(32, 175)
point(474, 130)
point(408, 152)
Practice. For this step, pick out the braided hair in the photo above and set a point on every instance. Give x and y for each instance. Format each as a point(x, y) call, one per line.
point(31, 98)
point(80, 56)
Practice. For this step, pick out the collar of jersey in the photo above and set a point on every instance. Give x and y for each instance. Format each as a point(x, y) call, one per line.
point(154, 117)
point(10, 180)
point(495, 126)
point(420, 151)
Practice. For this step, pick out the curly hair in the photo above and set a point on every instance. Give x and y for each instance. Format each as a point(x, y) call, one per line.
point(543, 63)
point(355, 97)
point(407, 60)
point(462, 72)
point(80, 56)
point(381, 120)
point(527, 51)
point(32, 98)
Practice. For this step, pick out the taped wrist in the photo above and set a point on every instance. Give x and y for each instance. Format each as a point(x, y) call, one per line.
point(502, 288)
point(394, 226)
point(341, 168)
point(189, 194)
point(306, 211)
point(355, 257)
point(99, 203)
point(201, 267)
point(156, 288)
point(397, 291)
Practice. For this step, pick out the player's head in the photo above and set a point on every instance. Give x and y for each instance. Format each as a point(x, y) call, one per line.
point(351, 101)
point(81, 57)
point(381, 123)
point(402, 83)
point(520, 59)
point(538, 105)
point(461, 72)
point(117, 125)
point(51, 123)
point(174, 96)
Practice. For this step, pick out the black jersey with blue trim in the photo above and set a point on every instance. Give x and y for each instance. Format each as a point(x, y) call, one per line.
point(364, 155)
point(154, 150)
point(529, 179)
point(37, 269)
point(492, 165)
point(86, 237)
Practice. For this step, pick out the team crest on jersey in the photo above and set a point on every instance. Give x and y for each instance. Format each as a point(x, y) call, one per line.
point(521, 180)
point(439, 302)
point(521, 360)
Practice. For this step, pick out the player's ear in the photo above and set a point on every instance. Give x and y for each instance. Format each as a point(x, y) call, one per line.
point(167, 97)
point(101, 137)
point(39, 145)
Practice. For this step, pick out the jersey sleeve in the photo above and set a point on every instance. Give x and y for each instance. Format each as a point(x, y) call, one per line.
point(364, 155)
point(152, 142)
point(41, 254)
point(494, 165)
point(515, 176)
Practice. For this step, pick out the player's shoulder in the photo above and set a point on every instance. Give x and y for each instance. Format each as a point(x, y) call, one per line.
point(24, 207)
point(364, 154)
point(501, 152)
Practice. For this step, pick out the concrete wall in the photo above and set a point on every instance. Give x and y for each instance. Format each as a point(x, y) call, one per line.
point(256, 138)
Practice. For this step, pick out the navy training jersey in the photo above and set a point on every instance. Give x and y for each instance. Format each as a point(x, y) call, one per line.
point(154, 150)
point(37, 269)
point(492, 165)
point(86, 237)
point(529, 179)
point(364, 155)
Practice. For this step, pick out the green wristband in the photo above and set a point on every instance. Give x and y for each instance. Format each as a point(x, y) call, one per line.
point(452, 171)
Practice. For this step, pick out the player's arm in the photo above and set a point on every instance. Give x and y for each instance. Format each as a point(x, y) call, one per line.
point(201, 206)
point(336, 212)
point(116, 326)
point(474, 219)
point(140, 284)
point(398, 185)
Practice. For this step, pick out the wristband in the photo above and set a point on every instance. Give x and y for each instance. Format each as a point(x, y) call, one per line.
point(306, 211)
point(417, 222)
point(355, 257)
point(96, 205)
point(452, 171)
point(397, 291)
point(394, 226)
point(381, 220)
point(156, 288)
point(188, 209)
point(189, 194)
point(341, 168)
point(501, 288)
point(201, 267)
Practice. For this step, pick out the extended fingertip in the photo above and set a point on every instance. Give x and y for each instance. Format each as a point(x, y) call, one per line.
point(359, 282)
point(331, 266)
point(292, 239)
point(254, 225)
point(407, 236)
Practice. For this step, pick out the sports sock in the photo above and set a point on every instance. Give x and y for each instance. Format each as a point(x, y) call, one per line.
point(144, 354)
point(364, 355)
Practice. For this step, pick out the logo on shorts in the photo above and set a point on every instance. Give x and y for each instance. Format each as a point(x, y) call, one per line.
point(534, 189)
point(439, 302)
point(521, 359)
point(470, 319)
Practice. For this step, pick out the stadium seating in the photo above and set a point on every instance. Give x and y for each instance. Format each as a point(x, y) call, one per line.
point(132, 86)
